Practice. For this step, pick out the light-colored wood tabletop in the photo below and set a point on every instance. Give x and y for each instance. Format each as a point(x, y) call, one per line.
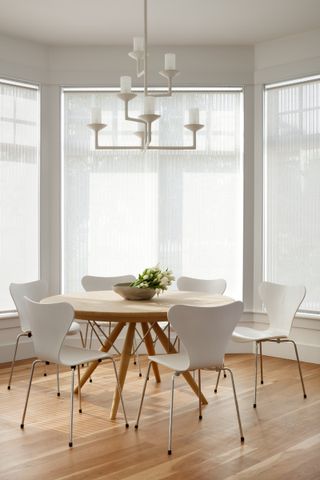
point(109, 306)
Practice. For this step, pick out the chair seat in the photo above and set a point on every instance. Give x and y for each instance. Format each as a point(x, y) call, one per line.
point(247, 334)
point(74, 329)
point(176, 361)
point(71, 356)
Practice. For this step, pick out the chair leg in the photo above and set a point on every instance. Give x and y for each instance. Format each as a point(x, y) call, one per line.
point(299, 366)
point(236, 404)
point(256, 378)
point(58, 382)
point(120, 392)
point(15, 354)
point(176, 374)
point(136, 356)
point(199, 396)
point(71, 406)
point(86, 335)
point(79, 390)
point(142, 396)
point(261, 364)
point(82, 340)
point(28, 392)
point(217, 383)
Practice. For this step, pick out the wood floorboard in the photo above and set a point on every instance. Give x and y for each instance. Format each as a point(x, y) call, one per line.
point(282, 435)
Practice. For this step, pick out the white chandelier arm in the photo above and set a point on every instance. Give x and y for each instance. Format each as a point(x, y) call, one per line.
point(193, 127)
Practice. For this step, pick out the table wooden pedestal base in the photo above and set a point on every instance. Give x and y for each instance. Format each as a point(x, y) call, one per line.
point(126, 354)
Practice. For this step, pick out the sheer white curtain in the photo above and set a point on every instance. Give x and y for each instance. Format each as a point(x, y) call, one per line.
point(126, 210)
point(292, 188)
point(19, 187)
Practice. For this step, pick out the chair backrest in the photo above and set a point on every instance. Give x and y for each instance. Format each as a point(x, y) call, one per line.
point(35, 290)
point(91, 283)
point(49, 324)
point(189, 284)
point(205, 331)
point(282, 303)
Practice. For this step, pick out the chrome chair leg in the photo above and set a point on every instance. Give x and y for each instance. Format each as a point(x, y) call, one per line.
point(79, 390)
point(28, 392)
point(58, 382)
point(256, 378)
point(261, 365)
point(82, 339)
point(86, 335)
point(236, 404)
point(299, 366)
point(217, 382)
point(142, 396)
point(23, 334)
point(136, 356)
point(199, 394)
point(176, 374)
point(120, 392)
point(71, 406)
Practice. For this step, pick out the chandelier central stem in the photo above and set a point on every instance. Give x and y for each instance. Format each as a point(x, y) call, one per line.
point(145, 82)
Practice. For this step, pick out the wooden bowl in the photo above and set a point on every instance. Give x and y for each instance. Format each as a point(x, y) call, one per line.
point(133, 293)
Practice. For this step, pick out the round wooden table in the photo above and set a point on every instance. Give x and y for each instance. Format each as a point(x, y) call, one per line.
point(108, 306)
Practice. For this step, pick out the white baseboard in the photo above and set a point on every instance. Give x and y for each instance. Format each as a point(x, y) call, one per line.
point(25, 350)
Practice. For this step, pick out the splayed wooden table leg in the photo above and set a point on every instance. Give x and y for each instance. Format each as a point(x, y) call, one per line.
point(123, 368)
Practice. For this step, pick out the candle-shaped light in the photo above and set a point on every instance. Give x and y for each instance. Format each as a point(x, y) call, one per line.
point(170, 61)
point(138, 44)
point(95, 115)
point(194, 115)
point(149, 104)
point(125, 84)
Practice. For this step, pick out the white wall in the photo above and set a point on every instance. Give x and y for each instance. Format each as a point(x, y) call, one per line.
point(54, 67)
point(296, 56)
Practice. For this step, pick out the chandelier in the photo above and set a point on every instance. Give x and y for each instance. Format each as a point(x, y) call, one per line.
point(144, 122)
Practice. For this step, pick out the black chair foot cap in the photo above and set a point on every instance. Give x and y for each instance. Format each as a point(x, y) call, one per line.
point(22, 425)
point(261, 382)
point(8, 387)
point(140, 374)
point(304, 396)
point(225, 375)
point(44, 374)
point(70, 444)
point(82, 365)
point(200, 417)
point(242, 439)
point(80, 410)
point(134, 363)
point(136, 427)
point(90, 380)
point(127, 425)
point(215, 390)
point(58, 394)
point(169, 452)
point(254, 405)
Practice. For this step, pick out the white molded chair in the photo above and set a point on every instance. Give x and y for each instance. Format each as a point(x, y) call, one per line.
point(281, 303)
point(49, 325)
point(93, 283)
point(214, 286)
point(36, 290)
point(204, 332)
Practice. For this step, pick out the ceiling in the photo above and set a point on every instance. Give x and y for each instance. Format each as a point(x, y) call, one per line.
point(170, 22)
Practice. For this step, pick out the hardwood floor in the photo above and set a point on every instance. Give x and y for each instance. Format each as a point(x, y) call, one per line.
point(282, 436)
